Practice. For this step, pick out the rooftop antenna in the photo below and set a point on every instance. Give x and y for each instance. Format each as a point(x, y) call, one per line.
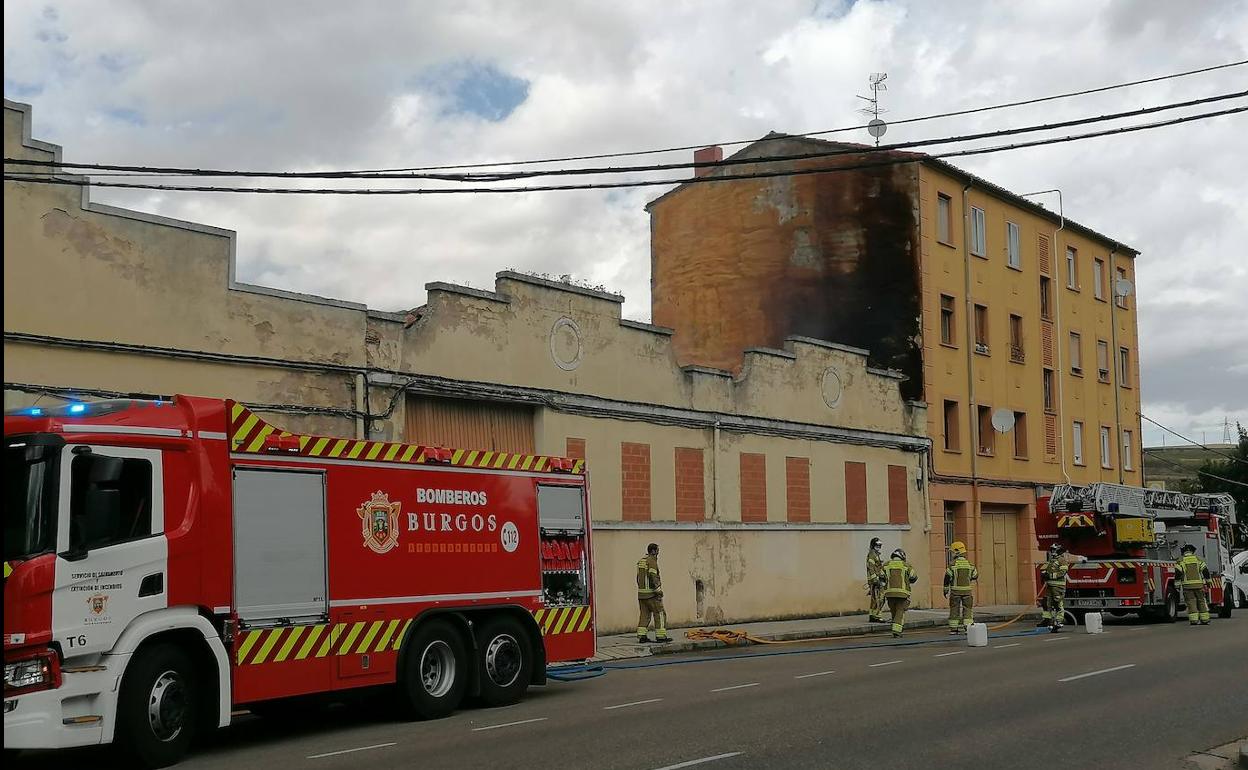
point(875, 126)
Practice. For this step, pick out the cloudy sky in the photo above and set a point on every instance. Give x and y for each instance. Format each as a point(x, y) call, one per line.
point(332, 85)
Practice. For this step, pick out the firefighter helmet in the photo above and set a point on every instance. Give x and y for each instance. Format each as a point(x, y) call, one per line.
point(1188, 548)
point(957, 547)
point(876, 544)
point(1057, 549)
point(899, 554)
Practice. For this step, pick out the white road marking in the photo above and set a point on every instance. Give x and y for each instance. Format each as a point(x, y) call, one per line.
point(817, 673)
point(888, 663)
point(1095, 673)
point(352, 751)
point(1003, 646)
point(510, 724)
point(1138, 628)
point(947, 654)
point(634, 703)
point(726, 689)
point(693, 762)
point(1054, 638)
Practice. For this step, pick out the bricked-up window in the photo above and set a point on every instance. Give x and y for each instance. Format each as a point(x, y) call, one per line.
point(797, 488)
point(1076, 353)
point(987, 434)
point(1017, 353)
point(1050, 399)
point(1046, 298)
point(1126, 450)
point(948, 328)
point(1102, 360)
point(1124, 367)
point(1013, 251)
point(690, 485)
point(575, 448)
point(981, 329)
point(952, 443)
point(1072, 268)
point(856, 493)
point(898, 495)
point(1119, 297)
point(634, 481)
point(944, 218)
point(979, 232)
point(1098, 279)
point(753, 487)
point(1076, 441)
point(1020, 435)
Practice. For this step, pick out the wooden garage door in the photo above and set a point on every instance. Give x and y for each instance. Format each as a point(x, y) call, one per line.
point(462, 424)
point(998, 570)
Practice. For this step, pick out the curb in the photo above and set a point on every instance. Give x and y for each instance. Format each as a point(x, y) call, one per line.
point(791, 636)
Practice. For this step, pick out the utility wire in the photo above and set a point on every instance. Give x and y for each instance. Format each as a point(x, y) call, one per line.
point(82, 182)
point(600, 170)
point(1190, 441)
point(1185, 469)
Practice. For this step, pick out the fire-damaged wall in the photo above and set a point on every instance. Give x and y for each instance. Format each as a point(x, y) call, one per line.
point(747, 263)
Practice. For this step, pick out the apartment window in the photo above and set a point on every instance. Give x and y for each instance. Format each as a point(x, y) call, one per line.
point(952, 443)
point(1076, 440)
point(981, 329)
point(1020, 435)
point(1119, 297)
point(1106, 443)
point(1013, 254)
point(1072, 274)
point(1076, 353)
point(987, 434)
point(1049, 401)
point(1126, 450)
point(944, 218)
point(951, 520)
point(948, 335)
point(1098, 279)
point(1124, 367)
point(979, 233)
point(1102, 360)
point(1046, 298)
point(1017, 353)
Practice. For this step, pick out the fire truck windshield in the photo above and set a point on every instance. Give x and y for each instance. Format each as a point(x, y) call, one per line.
point(31, 469)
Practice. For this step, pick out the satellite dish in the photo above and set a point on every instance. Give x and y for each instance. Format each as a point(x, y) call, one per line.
point(1003, 420)
point(877, 128)
point(1123, 287)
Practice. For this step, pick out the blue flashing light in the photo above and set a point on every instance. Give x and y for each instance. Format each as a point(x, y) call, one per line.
point(77, 408)
point(35, 411)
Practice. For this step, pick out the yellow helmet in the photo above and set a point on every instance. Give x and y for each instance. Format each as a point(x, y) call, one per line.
point(957, 547)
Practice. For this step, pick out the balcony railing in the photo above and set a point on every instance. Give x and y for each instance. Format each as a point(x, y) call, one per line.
point(1017, 355)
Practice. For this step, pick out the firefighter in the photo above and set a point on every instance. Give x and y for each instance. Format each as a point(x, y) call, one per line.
point(875, 581)
point(1053, 605)
point(959, 590)
point(650, 597)
point(898, 577)
point(1194, 573)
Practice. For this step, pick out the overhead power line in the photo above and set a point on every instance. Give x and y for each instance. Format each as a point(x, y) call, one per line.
point(1231, 457)
point(1185, 469)
point(83, 182)
point(595, 171)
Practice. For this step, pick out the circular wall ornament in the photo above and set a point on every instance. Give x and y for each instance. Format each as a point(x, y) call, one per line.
point(832, 388)
point(566, 348)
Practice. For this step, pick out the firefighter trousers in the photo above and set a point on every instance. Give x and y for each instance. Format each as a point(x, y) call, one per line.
point(1197, 604)
point(898, 606)
point(961, 610)
point(876, 593)
point(651, 608)
point(1053, 605)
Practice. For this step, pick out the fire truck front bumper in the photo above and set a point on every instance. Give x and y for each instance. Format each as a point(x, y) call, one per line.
point(1127, 604)
point(74, 714)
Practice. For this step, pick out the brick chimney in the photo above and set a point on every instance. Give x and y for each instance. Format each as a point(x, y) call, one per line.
point(712, 154)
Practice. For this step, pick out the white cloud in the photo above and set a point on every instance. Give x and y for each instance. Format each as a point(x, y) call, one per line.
point(330, 85)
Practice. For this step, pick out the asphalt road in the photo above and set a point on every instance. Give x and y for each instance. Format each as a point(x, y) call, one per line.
point(1138, 696)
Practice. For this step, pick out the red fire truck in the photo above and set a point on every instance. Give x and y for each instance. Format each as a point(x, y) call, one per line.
point(168, 562)
point(1132, 538)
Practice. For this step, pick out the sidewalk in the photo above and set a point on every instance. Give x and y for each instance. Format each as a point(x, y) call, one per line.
point(620, 646)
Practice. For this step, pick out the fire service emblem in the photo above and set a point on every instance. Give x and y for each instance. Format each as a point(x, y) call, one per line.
point(379, 522)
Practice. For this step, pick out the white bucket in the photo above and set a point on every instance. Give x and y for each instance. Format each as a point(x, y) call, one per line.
point(1092, 623)
point(977, 635)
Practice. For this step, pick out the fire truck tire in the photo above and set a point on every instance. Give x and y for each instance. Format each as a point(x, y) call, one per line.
point(504, 661)
point(1227, 603)
point(435, 671)
point(156, 710)
point(1171, 611)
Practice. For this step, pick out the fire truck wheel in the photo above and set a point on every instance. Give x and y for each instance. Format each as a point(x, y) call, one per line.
point(156, 711)
point(435, 671)
point(1227, 603)
point(504, 660)
point(1171, 612)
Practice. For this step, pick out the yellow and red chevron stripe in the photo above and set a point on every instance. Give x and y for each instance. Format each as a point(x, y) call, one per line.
point(248, 433)
point(322, 640)
point(1075, 520)
point(563, 620)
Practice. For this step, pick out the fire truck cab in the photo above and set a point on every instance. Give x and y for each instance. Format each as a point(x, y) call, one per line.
point(169, 562)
